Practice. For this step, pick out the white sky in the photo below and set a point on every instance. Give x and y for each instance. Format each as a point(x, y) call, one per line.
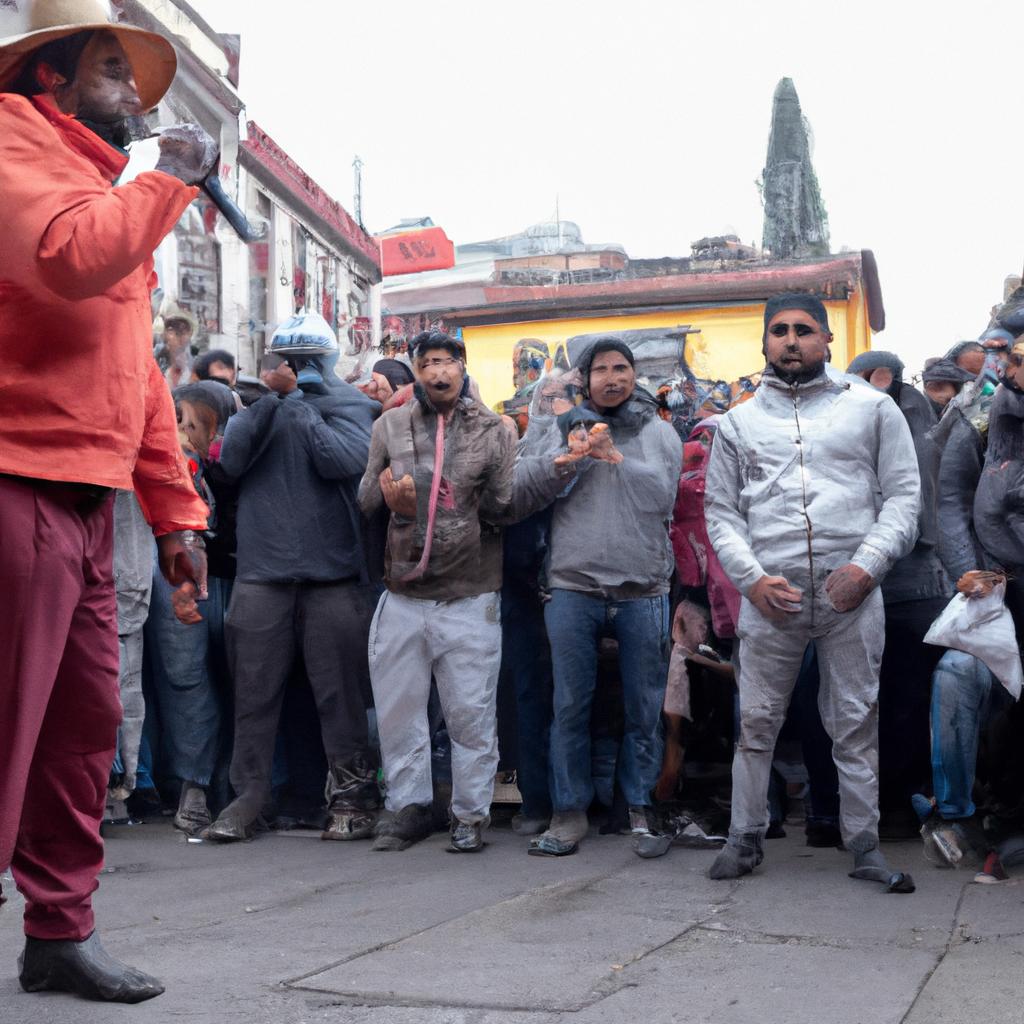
point(649, 120)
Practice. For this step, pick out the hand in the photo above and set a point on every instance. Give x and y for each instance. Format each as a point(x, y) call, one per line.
point(183, 601)
point(579, 446)
point(399, 495)
point(847, 587)
point(602, 446)
point(183, 561)
point(187, 152)
point(281, 379)
point(774, 598)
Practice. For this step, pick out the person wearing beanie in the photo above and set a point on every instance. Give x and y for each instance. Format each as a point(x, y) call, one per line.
point(915, 591)
point(609, 565)
point(812, 494)
point(943, 381)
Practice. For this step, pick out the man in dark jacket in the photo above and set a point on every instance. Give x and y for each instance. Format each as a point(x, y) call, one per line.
point(915, 591)
point(298, 455)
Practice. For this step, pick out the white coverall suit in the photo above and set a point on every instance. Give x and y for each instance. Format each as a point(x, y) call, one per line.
point(804, 479)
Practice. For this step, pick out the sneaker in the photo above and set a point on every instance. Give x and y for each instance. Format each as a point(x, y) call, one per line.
point(192, 816)
point(563, 835)
point(468, 837)
point(398, 830)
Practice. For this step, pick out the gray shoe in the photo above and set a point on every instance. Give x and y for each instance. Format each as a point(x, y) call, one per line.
point(468, 837)
point(740, 855)
point(563, 836)
point(398, 830)
point(192, 816)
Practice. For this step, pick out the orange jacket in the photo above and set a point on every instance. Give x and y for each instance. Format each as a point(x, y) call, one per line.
point(81, 396)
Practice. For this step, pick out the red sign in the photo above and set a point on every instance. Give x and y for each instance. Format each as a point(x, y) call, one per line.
point(412, 252)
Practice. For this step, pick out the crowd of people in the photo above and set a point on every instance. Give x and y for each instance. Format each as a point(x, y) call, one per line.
point(365, 602)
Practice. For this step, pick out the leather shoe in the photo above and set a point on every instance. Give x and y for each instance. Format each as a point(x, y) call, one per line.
point(83, 968)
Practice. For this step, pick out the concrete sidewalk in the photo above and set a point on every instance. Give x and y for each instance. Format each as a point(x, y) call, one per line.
point(290, 929)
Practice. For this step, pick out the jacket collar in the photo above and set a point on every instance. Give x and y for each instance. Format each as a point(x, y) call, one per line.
point(110, 162)
point(817, 386)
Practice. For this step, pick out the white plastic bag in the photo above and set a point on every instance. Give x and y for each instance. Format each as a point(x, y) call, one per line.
point(982, 626)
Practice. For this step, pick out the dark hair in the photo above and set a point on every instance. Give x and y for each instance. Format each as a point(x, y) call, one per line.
point(964, 346)
point(201, 367)
point(427, 340)
point(62, 55)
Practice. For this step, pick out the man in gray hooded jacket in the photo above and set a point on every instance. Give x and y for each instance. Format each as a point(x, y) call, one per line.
point(813, 492)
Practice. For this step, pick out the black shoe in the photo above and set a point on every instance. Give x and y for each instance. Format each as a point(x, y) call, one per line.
point(468, 837)
point(398, 830)
point(353, 797)
point(822, 835)
point(84, 968)
point(775, 831)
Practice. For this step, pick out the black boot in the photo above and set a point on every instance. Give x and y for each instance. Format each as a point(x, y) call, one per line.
point(239, 820)
point(84, 968)
point(353, 798)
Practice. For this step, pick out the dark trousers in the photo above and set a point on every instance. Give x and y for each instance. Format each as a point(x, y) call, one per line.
point(268, 626)
point(904, 702)
point(59, 701)
point(526, 664)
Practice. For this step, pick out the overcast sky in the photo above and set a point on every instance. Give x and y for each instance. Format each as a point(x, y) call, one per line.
point(649, 122)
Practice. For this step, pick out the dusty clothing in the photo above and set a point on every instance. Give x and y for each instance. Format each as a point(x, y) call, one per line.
point(465, 556)
point(828, 455)
point(459, 642)
point(75, 277)
point(268, 626)
point(297, 461)
point(804, 479)
point(609, 522)
point(61, 710)
point(849, 650)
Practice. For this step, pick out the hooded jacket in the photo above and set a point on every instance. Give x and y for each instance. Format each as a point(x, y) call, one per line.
point(81, 398)
point(609, 522)
point(807, 477)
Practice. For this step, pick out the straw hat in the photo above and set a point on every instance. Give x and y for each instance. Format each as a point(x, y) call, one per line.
point(151, 56)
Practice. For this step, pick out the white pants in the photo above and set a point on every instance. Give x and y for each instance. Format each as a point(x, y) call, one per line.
point(849, 657)
point(459, 643)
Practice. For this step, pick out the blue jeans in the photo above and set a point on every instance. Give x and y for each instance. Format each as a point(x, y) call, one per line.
point(576, 623)
point(965, 696)
point(188, 671)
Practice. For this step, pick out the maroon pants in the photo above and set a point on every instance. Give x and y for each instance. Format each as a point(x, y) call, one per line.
point(59, 700)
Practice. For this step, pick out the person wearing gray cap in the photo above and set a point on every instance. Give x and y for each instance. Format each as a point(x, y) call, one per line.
point(813, 492)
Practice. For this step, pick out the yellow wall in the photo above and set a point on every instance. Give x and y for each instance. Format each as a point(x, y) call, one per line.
point(728, 347)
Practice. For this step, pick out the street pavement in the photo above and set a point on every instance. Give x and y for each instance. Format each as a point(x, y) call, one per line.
point(289, 929)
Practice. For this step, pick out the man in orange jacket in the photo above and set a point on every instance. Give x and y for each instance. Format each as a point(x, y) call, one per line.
point(83, 410)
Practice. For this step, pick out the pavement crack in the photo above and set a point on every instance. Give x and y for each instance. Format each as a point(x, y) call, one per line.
point(951, 940)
